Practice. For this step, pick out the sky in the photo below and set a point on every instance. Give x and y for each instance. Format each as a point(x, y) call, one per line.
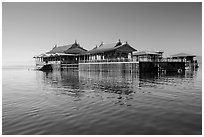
point(29, 29)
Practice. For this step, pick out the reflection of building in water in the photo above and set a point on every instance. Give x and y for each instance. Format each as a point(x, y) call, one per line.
point(75, 83)
point(62, 78)
point(190, 73)
point(155, 80)
point(114, 82)
point(63, 82)
point(126, 83)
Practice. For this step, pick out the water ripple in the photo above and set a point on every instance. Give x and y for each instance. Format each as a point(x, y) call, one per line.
point(66, 102)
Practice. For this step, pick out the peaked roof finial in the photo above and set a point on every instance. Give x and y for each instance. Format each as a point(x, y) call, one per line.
point(101, 43)
point(95, 47)
point(126, 42)
point(75, 42)
point(118, 43)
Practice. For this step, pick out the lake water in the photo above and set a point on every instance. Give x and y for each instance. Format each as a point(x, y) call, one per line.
point(72, 102)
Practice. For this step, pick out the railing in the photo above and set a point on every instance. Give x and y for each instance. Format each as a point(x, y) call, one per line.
point(160, 60)
point(133, 60)
point(170, 60)
point(69, 62)
point(106, 60)
point(112, 60)
point(55, 62)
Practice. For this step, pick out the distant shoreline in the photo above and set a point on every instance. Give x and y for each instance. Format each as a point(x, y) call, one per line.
point(18, 66)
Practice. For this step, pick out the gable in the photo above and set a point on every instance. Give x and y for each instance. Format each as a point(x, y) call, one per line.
point(75, 50)
point(125, 48)
point(60, 49)
point(103, 48)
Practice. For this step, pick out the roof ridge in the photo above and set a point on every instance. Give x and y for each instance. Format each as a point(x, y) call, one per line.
point(108, 43)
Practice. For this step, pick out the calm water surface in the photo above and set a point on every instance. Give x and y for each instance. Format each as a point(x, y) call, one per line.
point(72, 102)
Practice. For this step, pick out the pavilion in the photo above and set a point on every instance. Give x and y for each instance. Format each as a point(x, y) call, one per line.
point(184, 57)
point(113, 51)
point(147, 56)
point(67, 54)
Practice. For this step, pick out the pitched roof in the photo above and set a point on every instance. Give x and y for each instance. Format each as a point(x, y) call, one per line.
point(76, 50)
point(183, 55)
point(68, 49)
point(103, 48)
point(60, 49)
point(109, 47)
point(146, 53)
